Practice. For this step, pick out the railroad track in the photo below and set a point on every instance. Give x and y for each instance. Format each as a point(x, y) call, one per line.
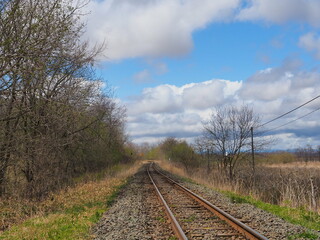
point(193, 217)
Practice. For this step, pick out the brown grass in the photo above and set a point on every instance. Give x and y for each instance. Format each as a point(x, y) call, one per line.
point(282, 184)
point(15, 211)
point(295, 165)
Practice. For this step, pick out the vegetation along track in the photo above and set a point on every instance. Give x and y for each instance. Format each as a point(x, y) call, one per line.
point(192, 217)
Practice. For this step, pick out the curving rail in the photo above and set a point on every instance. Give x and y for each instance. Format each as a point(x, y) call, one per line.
point(245, 230)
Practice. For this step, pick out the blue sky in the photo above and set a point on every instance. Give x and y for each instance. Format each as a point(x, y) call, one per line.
point(171, 62)
point(232, 51)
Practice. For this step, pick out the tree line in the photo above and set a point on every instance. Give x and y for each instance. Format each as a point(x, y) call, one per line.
point(55, 121)
point(227, 144)
point(308, 153)
point(226, 141)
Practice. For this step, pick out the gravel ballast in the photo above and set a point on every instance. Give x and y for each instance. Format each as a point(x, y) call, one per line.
point(137, 214)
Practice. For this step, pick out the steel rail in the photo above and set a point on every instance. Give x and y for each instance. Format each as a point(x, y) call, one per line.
point(174, 223)
point(235, 223)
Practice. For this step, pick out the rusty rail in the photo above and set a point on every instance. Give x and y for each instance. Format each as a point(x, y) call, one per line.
point(174, 223)
point(235, 223)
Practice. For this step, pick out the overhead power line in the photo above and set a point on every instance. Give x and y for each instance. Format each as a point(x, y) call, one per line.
point(272, 120)
point(291, 121)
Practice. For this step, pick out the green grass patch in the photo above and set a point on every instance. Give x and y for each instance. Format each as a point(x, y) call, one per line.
point(161, 219)
point(305, 235)
point(54, 226)
point(71, 223)
point(116, 190)
point(299, 216)
point(188, 180)
point(173, 238)
point(189, 219)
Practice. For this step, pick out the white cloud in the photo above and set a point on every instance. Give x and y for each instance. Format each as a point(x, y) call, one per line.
point(262, 86)
point(276, 11)
point(160, 68)
point(276, 90)
point(161, 99)
point(171, 99)
point(208, 94)
point(157, 28)
point(311, 42)
point(134, 28)
point(169, 110)
point(142, 77)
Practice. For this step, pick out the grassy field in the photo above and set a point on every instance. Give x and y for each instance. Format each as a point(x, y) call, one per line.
point(69, 214)
point(295, 165)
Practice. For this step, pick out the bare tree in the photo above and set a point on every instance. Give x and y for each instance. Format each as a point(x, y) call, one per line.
point(206, 148)
point(228, 130)
point(308, 153)
point(53, 115)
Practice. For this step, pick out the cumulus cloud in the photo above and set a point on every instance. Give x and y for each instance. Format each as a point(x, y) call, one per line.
point(175, 124)
point(274, 83)
point(135, 28)
point(276, 11)
point(156, 28)
point(169, 110)
point(171, 99)
point(311, 42)
point(279, 82)
point(276, 90)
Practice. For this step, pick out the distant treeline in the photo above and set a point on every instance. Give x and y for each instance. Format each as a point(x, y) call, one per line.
point(55, 121)
point(308, 153)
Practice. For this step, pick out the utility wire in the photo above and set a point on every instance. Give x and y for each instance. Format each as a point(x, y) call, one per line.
point(272, 129)
point(290, 111)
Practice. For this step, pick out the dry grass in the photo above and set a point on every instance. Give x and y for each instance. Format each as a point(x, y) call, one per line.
point(200, 176)
point(287, 191)
point(171, 168)
point(295, 165)
point(85, 198)
point(292, 184)
point(91, 191)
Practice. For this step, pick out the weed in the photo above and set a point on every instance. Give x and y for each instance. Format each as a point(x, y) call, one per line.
point(173, 238)
point(188, 180)
point(75, 209)
point(96, 216)
point(299, 216)
point(161, 219)
point(189, 219)
point(304, 235)
point(238, 199)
